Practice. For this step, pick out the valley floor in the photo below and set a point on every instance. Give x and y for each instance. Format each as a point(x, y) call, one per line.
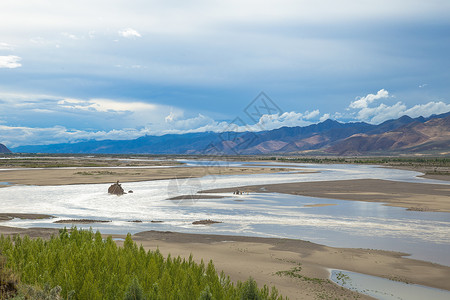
point(299, 269)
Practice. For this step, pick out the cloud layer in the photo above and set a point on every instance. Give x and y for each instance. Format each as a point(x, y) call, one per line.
point(153, 68)
point(361, 109)
point(10, 61)
point(129, 33)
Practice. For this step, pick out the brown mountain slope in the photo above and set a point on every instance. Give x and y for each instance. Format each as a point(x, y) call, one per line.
point(3, 149)
point(431, 135)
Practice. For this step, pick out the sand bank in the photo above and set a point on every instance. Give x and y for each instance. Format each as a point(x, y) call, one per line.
point(414, 196)
point(261, 258)
point(58, 176)
point(10, 216)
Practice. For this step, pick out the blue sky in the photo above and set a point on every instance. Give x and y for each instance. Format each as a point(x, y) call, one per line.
point(77, 70)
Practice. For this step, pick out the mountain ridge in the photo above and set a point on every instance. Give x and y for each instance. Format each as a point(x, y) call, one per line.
point(329, 137)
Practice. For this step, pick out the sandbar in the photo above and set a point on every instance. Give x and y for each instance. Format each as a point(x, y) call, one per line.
point(60, 176)
point(413, 196)
point(10, 216)
point(80, 221)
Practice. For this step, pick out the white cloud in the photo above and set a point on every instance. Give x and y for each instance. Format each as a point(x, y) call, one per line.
point(105, 105)
point(324, 117)
point(30, 110)
point(311, 115)
point(365, 101)
point(129, 33)
point(382, 112)
point(92, 34)
point(6, 46)
point(70, 36)
point(289, 119)
point(10, 61)
point(18, 136)
point(174, 122)
point(427, 109)
point(170, 117)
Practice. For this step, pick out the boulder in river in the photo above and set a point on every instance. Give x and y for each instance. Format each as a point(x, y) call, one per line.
point(116, 189)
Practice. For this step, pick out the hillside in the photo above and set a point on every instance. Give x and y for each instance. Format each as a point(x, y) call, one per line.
point(415, 136)
point(3, 149)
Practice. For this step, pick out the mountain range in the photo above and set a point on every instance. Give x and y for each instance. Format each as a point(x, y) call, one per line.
point(402, 135)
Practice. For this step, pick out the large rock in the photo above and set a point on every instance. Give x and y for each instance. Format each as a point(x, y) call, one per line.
point(116, 189)
point(3, 149)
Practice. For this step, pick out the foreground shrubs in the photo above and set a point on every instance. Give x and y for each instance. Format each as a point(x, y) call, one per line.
point(82, 265)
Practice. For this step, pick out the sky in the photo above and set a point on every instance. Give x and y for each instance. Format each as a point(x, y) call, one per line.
point(80, 70)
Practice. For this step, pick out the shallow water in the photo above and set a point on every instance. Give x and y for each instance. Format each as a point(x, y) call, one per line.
point(426, 235)
point(385, 289)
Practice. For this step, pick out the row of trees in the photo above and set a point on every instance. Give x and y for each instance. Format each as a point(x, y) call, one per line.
point(86, 266)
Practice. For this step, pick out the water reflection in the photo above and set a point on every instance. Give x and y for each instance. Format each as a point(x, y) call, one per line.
point(384, 289)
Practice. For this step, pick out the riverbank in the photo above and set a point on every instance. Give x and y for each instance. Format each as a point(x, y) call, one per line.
point(297, 268)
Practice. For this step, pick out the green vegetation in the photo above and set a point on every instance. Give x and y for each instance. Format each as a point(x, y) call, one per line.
point(295, 273)
point(30, 160)
point(392, 161)
point(79, 264)
point(342, 278)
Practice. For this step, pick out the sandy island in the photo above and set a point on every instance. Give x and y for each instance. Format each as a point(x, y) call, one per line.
point(10, 216)
point(261, 258)
point(413, 196)
point(58, 176)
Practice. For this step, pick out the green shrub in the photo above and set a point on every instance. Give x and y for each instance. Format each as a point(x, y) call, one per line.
point(83, 265)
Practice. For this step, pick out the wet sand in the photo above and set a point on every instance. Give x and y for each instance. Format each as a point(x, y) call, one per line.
point(58, 176)
point(241, 257)
point(413, 196)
